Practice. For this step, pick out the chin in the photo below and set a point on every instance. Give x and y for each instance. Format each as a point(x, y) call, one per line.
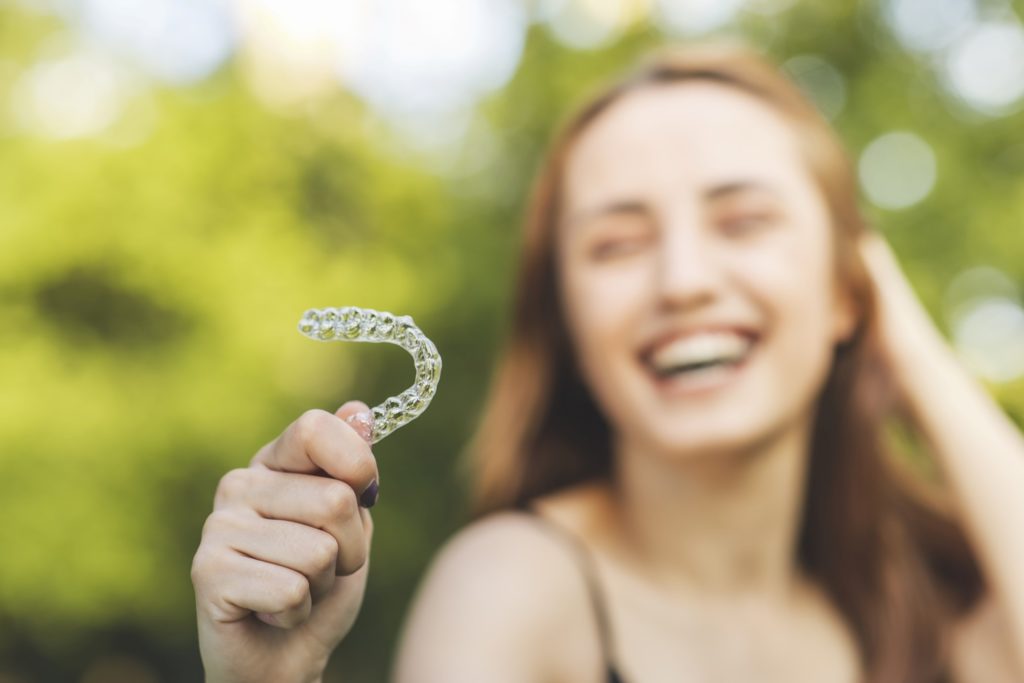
point(693, 450)
point(682, 443)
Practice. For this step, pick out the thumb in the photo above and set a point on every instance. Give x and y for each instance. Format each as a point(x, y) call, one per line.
point(358, 416)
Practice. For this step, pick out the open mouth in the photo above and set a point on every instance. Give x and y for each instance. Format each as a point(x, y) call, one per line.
point(700, 360)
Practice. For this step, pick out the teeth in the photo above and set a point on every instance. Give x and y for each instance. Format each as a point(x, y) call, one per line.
point(700, 349)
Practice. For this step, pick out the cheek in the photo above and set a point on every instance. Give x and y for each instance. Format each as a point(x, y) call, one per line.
point(602, 307)
point(601, 302)
point(798, 290)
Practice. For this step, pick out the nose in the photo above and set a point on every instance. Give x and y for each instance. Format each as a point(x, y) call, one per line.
point(688, 270)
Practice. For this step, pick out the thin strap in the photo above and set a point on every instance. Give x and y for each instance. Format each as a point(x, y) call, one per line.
point(586, 564)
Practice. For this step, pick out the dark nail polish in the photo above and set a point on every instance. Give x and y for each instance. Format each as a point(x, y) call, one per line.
point(369, 497)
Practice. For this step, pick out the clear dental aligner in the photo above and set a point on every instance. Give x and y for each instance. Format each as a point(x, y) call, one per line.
point(363, 324)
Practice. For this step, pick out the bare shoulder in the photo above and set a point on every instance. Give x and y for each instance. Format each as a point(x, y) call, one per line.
point(491, 605)
point(982, 647)
point(506, 553)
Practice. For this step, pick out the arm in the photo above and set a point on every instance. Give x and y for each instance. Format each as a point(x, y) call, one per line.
point(978, 448)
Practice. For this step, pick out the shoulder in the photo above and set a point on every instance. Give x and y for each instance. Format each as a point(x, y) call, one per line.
point(982, 647)
point(509, 551)
point(492, 604)
point(517, 557)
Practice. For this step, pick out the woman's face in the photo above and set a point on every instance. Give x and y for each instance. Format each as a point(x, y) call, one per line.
point(694, 254)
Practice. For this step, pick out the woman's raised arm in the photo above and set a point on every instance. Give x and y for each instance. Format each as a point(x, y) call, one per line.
point(978, 447)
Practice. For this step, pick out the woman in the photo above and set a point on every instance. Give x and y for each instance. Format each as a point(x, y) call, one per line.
point(681, 470)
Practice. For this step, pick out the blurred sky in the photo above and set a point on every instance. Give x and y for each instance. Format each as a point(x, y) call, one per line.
point(409, 59)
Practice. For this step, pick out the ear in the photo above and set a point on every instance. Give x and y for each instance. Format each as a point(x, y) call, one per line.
point(844, 315)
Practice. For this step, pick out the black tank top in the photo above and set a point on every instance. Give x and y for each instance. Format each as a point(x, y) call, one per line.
point(586, 565)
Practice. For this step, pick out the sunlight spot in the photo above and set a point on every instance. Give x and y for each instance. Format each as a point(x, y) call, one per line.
point(897, 170)
point(986, 68)
point(178, 41)
point(990, 339)
point(821, 81)
point(688, 17)
point(74, 96)
point(928, 25)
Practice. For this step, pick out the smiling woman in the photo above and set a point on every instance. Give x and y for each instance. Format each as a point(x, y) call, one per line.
point(681, 469)
point(688, 391)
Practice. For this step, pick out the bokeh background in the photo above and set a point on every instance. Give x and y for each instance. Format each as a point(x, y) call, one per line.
point(181, 179)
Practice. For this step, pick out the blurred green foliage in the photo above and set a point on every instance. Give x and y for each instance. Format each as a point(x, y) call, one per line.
point(149, 294)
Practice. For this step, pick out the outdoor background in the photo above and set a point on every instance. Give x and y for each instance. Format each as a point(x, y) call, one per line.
point(180, 180)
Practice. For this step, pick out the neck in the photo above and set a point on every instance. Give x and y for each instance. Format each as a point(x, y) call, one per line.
point(719, 523)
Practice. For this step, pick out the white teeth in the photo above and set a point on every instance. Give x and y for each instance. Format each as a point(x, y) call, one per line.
point(702, 348)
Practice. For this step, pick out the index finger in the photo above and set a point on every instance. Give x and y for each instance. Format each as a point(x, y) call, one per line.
point(320, 442)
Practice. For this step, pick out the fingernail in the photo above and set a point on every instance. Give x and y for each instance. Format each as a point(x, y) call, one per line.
point(269, 619)
point(369, 497)
point(362, 422)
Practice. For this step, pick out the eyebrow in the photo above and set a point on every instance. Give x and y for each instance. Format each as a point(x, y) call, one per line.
point(616, 207)
point(737, 187)
point(711, 194)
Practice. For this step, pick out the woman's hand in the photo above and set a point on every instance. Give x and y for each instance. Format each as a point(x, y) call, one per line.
point(904, 336)
point(281, 569)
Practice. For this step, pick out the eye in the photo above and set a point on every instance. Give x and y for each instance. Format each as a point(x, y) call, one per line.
point(747, 223)
point(619, 246)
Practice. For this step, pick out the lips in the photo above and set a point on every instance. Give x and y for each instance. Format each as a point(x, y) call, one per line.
point(697, 351)
point(704, 340)
point(698, 360)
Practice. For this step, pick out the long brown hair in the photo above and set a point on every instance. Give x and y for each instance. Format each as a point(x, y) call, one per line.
point(885, 547)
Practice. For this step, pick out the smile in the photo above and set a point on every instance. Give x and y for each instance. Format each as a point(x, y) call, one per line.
point(699, 362)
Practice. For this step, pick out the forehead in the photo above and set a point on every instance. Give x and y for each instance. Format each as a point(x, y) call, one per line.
point(675, 137)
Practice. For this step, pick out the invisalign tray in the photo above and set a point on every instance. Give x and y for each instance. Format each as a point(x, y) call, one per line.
point(366, 325)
